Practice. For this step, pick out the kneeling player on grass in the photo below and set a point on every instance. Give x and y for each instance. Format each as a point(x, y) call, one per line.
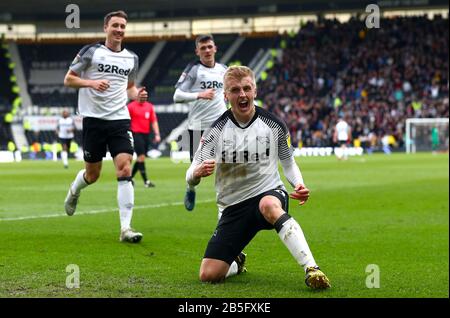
point(245, 144)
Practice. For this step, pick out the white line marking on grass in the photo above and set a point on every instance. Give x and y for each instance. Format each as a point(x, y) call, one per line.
point(55, 215)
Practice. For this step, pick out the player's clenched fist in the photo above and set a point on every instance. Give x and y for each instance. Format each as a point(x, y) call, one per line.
point(206, 168)
point(300, 193)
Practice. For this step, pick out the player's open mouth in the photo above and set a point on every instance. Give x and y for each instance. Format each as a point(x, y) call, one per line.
point(243, 104)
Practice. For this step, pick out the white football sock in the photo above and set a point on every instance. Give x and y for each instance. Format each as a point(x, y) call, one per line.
point(292, 236)
point(79, 182)
point(191, 187)
point(125, 198)
point(232, 270)
point(64, 157)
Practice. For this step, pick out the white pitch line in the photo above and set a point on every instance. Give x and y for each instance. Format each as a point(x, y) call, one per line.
point(55, 215)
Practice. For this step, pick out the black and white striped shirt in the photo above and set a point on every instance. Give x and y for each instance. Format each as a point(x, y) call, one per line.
point(247, 157)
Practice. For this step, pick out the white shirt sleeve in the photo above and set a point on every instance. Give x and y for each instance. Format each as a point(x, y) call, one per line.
point(83, 59)
point(292, 171)
point(190, 175)
point(184, 97)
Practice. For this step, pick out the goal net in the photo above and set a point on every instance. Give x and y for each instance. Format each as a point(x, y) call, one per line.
point(426, 134)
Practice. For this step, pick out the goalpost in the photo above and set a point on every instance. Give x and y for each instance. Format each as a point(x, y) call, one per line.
point(426, 134)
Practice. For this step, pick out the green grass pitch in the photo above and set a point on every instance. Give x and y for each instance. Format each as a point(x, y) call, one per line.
point(391, 211)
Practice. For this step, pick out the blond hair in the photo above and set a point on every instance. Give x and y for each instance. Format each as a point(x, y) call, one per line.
point(238, 72)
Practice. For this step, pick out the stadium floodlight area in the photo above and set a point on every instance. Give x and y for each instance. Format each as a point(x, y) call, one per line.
point(426, 134)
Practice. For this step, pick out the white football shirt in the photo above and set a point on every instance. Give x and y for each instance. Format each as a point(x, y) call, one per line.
point(247, 157)
point(342, 130)
point(97, 62)
point(197, 78)
point(66, 128)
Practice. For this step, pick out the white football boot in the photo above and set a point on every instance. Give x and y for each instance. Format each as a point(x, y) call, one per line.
point(70, 204)
point(129, 235)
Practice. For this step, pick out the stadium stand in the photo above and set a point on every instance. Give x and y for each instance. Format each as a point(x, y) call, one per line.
point(252, 45)
point(168, 121)
point(162, 76)
point(45, 66)
point(375, 77)
point(48, 136)
point(6, 97)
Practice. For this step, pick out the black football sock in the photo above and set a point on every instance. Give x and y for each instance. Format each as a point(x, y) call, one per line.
point(142, 171)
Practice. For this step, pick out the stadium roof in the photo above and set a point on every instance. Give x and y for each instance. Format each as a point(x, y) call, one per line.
point(13, 11)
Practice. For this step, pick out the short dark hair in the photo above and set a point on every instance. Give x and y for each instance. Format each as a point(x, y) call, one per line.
point(120, 14)
point(203, 38)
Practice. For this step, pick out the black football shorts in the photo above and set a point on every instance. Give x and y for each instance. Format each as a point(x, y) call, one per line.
point(141, 143)
point(239, 224)
point(100, 135)
point(66, 141)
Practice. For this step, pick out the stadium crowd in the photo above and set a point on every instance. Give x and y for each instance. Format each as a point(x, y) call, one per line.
point(375, 78)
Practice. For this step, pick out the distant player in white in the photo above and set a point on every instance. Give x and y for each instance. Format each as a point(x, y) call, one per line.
point(105, 74)
point(245, 145)
point(65, 131)
point(201, 84)
point(342, 135)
